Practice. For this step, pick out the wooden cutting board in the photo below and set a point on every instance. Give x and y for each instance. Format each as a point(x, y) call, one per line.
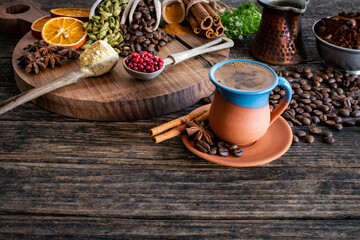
point(118, 97)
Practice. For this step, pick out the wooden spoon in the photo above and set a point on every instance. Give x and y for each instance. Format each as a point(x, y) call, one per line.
point(93, 63)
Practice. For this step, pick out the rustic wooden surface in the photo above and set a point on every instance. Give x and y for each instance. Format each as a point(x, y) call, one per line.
point(63, 178)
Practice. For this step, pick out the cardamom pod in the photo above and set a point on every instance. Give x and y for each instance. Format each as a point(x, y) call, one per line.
point(105, 25)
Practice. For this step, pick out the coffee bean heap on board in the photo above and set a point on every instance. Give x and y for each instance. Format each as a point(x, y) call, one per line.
point(330, 98)
point(140, 35)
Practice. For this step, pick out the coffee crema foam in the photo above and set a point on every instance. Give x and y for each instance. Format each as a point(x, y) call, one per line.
point(244, 76)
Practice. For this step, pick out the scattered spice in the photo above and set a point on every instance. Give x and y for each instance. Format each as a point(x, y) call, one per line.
point(199, 131)
point(342, 30)
point(40, 55)
point(205, 140)
point(174, 12)
point(175, 29)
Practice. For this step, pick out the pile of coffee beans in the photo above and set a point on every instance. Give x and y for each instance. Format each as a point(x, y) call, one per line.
point(219, 147)
point(341, 30)
point(144, 62)
point(140, 36)
point(329, 98)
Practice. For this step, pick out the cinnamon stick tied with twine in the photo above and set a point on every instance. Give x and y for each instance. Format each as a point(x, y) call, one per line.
point(193, 23)
point(219, 30)
point(216, 18)
point(210, 33)
point(175, 130)
point(202, 17)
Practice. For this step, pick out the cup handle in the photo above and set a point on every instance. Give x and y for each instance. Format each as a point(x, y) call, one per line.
point(275, 114)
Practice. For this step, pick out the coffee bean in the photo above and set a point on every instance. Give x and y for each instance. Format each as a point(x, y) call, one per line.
point(302, 81)
point(223, 152)
point(308, 75)
point(295, 139)
point(221, 144)
point(202, 146)
point(317, 79)
point(344, 112)
point(355, 113)
point(285, 73)
point(315, 119)
point(338, 126)
point(310, 139)
point(324, 76)
point(307, 69)
point(358, 122)
point(330, 123)
point(306, 101)
point(315, 130)
point(338, 119)
point(298, 70)
point(307, 109)
point(232, 147)
point(238, 152)
point(327, 134)
point(329, 140)
point(213, 150)
point(305, 121)
point(324, 108)
point(301, 133)
point(306, 87)
point(290, 79)
point(295, 75)
point(331, 80)
point(323, 118)
point(348, 123)
point(137, 15)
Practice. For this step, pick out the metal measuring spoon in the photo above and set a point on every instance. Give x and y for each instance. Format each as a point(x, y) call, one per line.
point(93, 63)
point(218, 44)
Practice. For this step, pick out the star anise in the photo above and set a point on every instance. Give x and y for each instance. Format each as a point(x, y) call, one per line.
point(35, 46)
point(52, 59)
point(33, 62)
point(199, 131)
point(48, 49)
point(69, 53)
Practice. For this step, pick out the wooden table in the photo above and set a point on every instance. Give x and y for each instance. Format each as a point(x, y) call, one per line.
point(106, 180)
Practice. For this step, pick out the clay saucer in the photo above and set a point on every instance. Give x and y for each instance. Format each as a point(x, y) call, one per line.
point(276, 141)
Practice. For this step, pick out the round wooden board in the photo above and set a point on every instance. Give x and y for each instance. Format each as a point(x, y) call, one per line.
point(118, 97)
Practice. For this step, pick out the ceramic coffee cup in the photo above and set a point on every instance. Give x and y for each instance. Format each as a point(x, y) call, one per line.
point(243, 117)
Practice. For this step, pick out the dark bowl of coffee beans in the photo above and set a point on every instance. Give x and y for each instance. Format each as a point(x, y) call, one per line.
point(336, 42)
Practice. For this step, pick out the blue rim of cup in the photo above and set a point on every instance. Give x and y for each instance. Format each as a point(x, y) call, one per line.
point(220, 64)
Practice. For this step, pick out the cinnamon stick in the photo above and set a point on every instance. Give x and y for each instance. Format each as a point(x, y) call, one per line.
point(213, 14)
point(179, 129)
point(175, 123)
point(219, 30)
point(202, 17)
point(193, 23)
point(210, 33)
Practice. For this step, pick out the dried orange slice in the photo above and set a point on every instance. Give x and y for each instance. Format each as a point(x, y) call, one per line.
point(79, 13)
point(37, 26)
point(64, 32)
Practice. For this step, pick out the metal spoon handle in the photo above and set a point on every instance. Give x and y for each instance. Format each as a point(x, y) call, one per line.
point(27, 96)
point(218, 44)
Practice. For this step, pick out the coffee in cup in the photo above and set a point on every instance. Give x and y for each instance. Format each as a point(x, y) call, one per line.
point(244, 76)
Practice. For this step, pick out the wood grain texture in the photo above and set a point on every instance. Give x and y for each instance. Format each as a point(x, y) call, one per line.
point(58, 227)
point(65, 178)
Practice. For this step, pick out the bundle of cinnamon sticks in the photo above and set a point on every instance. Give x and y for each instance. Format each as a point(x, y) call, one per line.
point(203, 19)
point(176, 127)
